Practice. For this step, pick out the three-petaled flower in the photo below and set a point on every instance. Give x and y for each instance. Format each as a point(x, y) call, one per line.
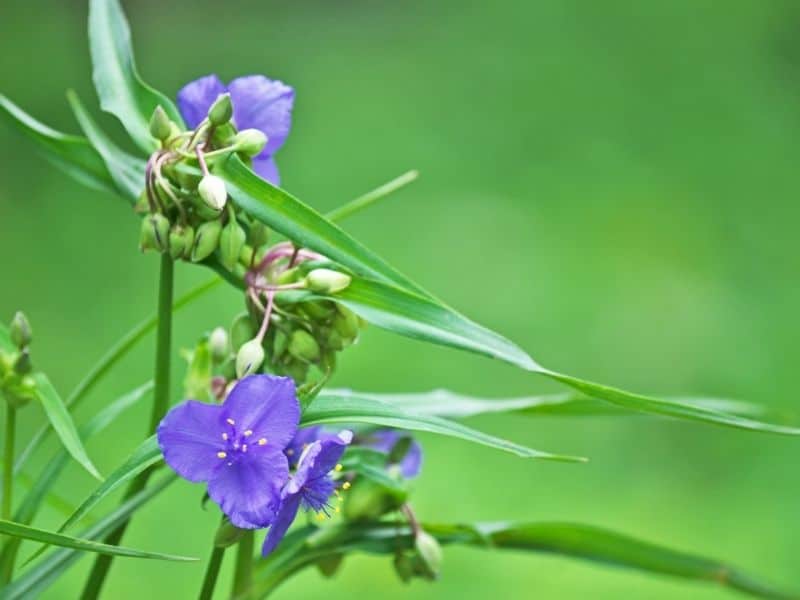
point(237, 447)
point(387, 440)
point(258, 103)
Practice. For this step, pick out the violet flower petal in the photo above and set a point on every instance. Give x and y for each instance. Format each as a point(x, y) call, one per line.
point(196, 97)
point(267, 406)
point(263, 104)
point(281, 524)
point(266, 168)
point(187, 439)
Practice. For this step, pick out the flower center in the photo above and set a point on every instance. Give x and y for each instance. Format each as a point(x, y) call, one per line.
point(238, 443)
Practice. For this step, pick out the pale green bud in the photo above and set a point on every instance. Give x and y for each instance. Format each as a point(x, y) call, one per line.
point(250, 141)
point(249, 358)
point(242, 330)
point(430, 554)
point(327, 281)
point(303, 346)
point(404, 567)
point(221, 111)
point(231, 242)
point(212, 190)
point(206, 240)
point(160, 126)
point(218, 345)
point(346, 323)
point(258, 235)
point(20, 391)
point(154, 234)
point(20, 330)
point(181, 238)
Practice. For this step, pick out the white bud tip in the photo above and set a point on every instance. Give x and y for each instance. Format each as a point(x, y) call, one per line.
point(212, 191)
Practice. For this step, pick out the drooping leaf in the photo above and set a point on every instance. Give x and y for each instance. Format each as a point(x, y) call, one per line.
point(368, 199)
point(344, 409)
point(33, 581)
point(119, 87)
point(61, 421)
point(19, 530)
point(127, 171)
point(72, 154)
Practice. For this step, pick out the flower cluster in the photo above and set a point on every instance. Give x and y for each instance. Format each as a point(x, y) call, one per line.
point(17, 386)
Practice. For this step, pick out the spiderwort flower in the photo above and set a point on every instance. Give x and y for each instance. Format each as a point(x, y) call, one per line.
point(311, 485)
point(384, 440)
point(236, 447)
point(258, 103)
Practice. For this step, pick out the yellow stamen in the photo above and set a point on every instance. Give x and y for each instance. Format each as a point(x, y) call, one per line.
point(222, 454)
point(231, 421)
point(248, 433)
point(338, 468)
point(224, 436)
point(337, 510)
point(320, 516)
point(346, 485)
point(262, 442)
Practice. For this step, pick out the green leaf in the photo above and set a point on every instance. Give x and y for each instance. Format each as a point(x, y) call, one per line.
point(329, 408)
point(33, 581)
point(299, 222)
point(197, 382)
point(447, 404)
point(5, 339)
point(370, 198)
point(372, 465)
point(111, 358)
point(119, 87)
point(62, 422)
point(27, 532)
point(72, 154)
point(127, 171)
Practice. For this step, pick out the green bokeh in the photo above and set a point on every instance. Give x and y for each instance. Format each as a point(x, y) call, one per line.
point(611, 184)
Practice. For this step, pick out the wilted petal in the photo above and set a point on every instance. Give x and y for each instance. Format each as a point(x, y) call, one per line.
point(248, 489)
point(264, 104)
point(267, 405)
point(265, 167)
point(189, 439)
point(281, 524)
point(195, 98)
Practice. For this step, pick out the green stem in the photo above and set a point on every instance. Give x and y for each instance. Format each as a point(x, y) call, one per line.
point(370, 198)
point(102, 564)
point(212, 571)
point(243, 576)
point(8, 460)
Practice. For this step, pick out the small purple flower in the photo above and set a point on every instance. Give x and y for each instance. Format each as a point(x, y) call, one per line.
point(258, 103)
point(384, 440)
point(236, 447)
point(304, 437)
point(311, 485)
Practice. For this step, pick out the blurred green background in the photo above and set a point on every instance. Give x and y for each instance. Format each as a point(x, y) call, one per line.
point(611, 184)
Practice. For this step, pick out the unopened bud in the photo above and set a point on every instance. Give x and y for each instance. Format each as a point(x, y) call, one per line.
point(20, 330)
point(249, 358)
point(160, 126)
point(258, 235)
point(142, 204)
point(404, 567)
point(212, 190)
point(218, 345)
point(221, 111)
point(346, 323)
point(250, 141)
point(430, 554)
point(154, 234)
point(181, 238)
point(231, 242)
point(227, 535)
point(20, 391)
point(206, 240)
point(303, 346)
point(23, 365)
point(327, 281)
point(242, 330)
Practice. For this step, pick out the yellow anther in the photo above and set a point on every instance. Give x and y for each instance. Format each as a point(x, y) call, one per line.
point(248, 433)
point(346, 485)
point(338, 468)
point(320, 516)
point(224, 436)
point(222, 454)
point(231, 421)
point(244, 447)
point(262, 442)
point(337, 510)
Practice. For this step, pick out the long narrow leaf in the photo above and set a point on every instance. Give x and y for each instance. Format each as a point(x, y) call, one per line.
point(368, 199)
point(344, 409)
point(61, 421)
point(5, 339)
point(72, 154)
point(27, 532)
point(119, 87)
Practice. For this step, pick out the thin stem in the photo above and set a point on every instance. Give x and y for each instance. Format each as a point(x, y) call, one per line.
point(369, 198)
point(201, 159)
point(8, 460)
point(102, 564)
point(212, 572)
point(243, 576)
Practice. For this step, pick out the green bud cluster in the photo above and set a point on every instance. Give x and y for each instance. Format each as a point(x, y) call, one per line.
point(17, 386)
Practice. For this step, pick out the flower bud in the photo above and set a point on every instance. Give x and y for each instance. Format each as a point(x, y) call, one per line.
point(346, 323)
point(212, 190)
point(258, 235)
point(218, 345)
point(303, 346)
point(206, 240)
point(249, 358)
point(22, 365)
point(279, 342)
point(327, 281)
point(319, 310)
point(250, 141)
point(227, 535)
point(404, 566)
point(20, 330)
point(181, 238)
point(430, 554)
point(142, 205)
point(221, 111)
point(242, 330)
point(297, 370)
point(154, 234)
point(19, 392)
point(231, 242)
point(330, 564)
point(160, 126)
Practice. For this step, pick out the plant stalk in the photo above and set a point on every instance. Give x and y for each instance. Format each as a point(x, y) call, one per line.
point(102, 563)
point(8, 460)
point(243, 576)
point(212, 572)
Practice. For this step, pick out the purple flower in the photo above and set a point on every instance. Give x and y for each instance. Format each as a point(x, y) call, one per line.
point(236, 447)
point(303, 439)
point(385, 440)
point(258, 103)
point(311, 485)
